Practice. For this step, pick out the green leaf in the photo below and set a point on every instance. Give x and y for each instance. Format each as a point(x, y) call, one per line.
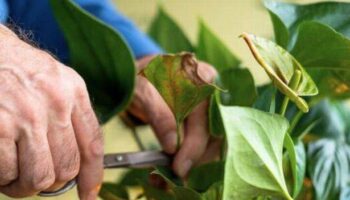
point(168, 175)
point(112, 191)
point(330, 122)
point(212, 50)
point(328, 166)
point(101, 57)
point(214, 172)
point(239, 87)
point(156, 194)
point(183, 193)
point(165, 31)
point(254, 158)
point(329, 63)
point(214, 192)
point(178, 81)
point(266, 99)
point(216, 125)
point(287, 17)
point(280, 66)
point(297, 161)
point(329, 157)
point(134, 176)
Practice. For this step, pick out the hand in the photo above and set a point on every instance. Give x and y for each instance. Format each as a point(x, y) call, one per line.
point(49, 132)
point(197, 146)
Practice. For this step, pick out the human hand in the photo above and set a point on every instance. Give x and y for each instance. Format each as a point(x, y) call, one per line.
point(197, 146)
point(49, 132)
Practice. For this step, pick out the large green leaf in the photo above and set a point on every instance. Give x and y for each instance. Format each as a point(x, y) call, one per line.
point(101, 57)
point(165, 31)
point(286, 17)
point(280, 66)
point(212, 50)
point(254, 158)
point(178, 81)
point(326, 57)
point(239, 87)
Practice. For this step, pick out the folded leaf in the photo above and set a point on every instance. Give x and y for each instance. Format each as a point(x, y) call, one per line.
point(177, 79)
point(101, 57)
point(212, 50)
point(167, 33)
point(280, 66)
point(254, 158)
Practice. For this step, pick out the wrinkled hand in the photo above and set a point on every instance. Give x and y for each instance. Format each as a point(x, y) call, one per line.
point(197, 146)
point(48, 131)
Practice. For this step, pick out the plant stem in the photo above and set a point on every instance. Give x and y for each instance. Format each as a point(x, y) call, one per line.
point(137, 139)
point(293, 84)
point(178, 135)
point(295, 120)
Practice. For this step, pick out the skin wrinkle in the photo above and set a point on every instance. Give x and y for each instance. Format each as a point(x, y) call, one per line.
point(38, 95)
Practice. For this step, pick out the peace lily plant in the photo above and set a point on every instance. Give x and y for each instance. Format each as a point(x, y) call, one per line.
point(289, 139)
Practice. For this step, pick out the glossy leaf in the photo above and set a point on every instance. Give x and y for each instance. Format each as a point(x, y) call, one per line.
point(254, 158)
point(287, 17)
point(178, 81)
point(329, 63)
point(101, 57)
point(212, 50)
point(280, 66)
point(214, 172)
point(112, 191)
point(167, 33)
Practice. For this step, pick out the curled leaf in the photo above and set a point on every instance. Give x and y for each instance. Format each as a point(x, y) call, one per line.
point(280, 66)
point(179, 82)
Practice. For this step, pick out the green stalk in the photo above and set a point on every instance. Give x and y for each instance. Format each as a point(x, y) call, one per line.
point(293, 84)
point(295, 120)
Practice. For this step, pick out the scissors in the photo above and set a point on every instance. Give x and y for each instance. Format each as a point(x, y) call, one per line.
point(142, 159)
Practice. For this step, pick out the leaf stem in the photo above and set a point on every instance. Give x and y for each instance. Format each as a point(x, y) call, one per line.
point(137, 139)
point(295, 120)
point(293, 84)
point(178, 135)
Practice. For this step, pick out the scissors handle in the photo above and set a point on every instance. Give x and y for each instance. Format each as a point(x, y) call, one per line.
point(141, 159)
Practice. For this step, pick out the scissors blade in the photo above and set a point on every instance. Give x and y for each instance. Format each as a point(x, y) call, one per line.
point(143, 159)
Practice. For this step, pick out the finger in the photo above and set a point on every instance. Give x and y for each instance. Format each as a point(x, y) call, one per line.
point(66, 160)
point(195, 141)
point(36, 172)
point(156, 112)
point(90, 143)
point(8, 161)
point(212, 152)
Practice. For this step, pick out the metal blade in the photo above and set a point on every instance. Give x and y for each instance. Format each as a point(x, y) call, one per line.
point(143, 159)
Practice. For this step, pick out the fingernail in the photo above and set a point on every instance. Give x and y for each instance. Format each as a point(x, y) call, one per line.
point(170, 140)
point(185, 168)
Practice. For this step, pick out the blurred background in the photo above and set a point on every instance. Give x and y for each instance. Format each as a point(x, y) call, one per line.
point(227, 18)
